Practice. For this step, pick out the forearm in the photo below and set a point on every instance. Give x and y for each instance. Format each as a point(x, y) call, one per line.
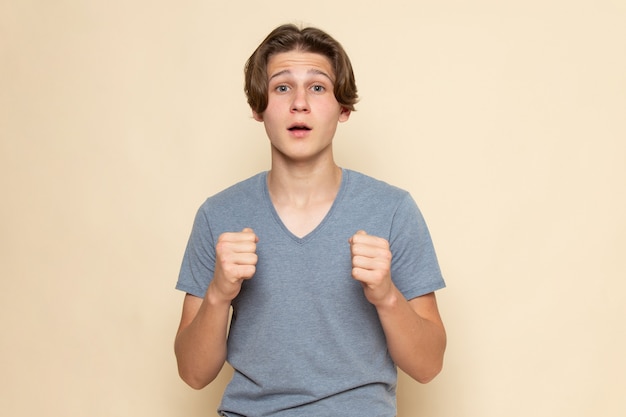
point(200, 346)
point(415, 343)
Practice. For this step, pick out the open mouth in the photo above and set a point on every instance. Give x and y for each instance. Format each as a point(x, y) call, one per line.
point(299, 128)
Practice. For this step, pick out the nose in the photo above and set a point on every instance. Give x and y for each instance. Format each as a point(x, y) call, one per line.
point(300, 102)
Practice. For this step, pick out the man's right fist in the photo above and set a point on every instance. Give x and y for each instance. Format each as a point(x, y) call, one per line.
point(235, 262)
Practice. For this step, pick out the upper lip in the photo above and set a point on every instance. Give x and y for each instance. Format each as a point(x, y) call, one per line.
point(298, 125)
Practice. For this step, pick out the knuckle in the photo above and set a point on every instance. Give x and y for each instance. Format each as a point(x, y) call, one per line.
point(221, 246)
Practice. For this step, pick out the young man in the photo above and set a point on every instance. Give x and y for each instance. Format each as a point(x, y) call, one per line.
point(330, 273)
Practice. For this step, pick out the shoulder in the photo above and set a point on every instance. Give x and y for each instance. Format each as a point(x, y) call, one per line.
point(237, 194)
point(229, 207)
point(371, 187)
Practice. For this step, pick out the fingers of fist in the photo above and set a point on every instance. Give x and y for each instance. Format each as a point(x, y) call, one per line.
point(236, 254)
point(371, 258)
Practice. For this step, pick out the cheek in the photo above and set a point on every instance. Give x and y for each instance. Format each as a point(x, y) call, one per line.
point(269, 117)
point(273, 109)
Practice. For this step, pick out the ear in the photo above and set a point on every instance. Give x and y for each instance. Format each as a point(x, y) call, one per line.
point(344, 115)
point(257, 116)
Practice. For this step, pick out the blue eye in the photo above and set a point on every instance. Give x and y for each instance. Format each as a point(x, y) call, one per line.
point(319, 88)
point(282, 88)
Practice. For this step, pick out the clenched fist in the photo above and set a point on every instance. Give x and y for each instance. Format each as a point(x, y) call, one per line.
point(235, 262)
point(371, 266)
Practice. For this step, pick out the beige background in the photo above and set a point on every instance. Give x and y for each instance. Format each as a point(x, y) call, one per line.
point(505, 120)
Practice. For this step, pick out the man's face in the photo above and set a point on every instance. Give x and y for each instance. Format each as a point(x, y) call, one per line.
point(302, 112)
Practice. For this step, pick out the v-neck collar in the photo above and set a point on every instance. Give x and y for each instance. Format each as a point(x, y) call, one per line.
point(311, 235)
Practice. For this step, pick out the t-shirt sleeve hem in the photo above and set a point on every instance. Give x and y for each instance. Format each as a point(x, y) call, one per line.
point(190, 290)
point(418, 292)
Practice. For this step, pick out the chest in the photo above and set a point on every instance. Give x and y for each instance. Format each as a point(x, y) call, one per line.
point(303, 220)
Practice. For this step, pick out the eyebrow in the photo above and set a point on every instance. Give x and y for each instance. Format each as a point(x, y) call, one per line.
point(311, 71)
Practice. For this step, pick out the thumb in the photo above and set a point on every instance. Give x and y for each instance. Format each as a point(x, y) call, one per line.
point(249, 230)
point(360, 232)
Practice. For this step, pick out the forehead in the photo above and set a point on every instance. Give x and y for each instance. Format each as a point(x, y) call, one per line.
point(298, 62)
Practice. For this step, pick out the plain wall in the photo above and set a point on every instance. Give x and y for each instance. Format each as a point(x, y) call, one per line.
point(505, 120)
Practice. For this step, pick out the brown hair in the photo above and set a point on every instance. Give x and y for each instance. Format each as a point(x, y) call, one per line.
point(287, 38)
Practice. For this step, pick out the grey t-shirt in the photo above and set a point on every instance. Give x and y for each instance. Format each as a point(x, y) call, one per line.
point(304, 340)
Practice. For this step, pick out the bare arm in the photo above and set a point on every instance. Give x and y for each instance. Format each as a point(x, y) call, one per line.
point(200, 344)
point(415, 334)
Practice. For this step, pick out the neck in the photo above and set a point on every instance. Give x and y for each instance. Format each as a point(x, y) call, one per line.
point(301, 186)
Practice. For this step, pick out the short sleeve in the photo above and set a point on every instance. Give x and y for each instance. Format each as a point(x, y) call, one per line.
point(415, 269)
point(198, 262)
